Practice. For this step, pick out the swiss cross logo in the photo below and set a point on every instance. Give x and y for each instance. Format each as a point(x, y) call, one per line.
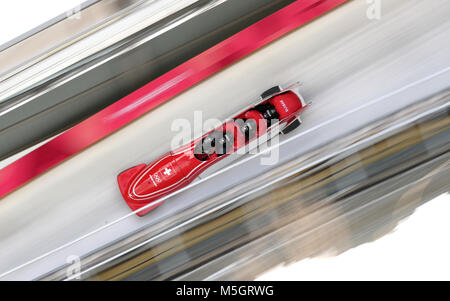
point(167, 171)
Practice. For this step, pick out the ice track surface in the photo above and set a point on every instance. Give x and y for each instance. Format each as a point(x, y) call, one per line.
point(355, 70)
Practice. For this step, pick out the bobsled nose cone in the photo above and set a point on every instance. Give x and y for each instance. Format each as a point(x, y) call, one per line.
point(124, 179)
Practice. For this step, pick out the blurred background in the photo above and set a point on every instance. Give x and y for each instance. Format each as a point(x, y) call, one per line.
point(360, 192)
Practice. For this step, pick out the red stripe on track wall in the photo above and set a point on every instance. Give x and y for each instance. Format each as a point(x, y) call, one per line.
point(161, 90)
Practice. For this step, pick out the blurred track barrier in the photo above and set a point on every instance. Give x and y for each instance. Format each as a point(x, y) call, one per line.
point(73, 68)
point(338, 196)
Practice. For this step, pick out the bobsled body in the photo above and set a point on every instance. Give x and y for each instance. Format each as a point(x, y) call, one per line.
point(144, 185)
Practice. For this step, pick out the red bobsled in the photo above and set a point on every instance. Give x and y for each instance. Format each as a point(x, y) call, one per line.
point(145, 184)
